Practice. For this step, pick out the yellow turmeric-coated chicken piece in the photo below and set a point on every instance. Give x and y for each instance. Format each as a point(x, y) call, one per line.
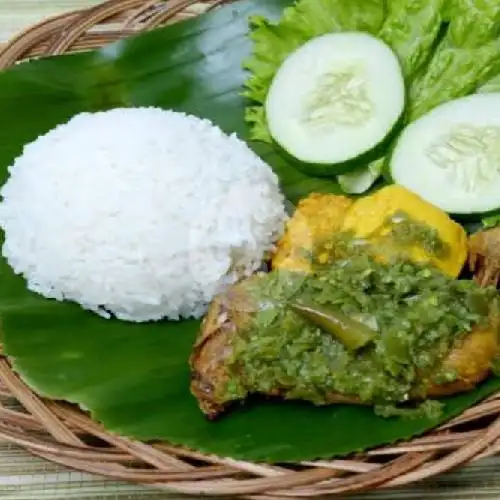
point(388, 219)
point(316, 218)
point(377, 219)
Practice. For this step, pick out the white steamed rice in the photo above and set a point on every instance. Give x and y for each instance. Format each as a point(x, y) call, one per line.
point(141, 213)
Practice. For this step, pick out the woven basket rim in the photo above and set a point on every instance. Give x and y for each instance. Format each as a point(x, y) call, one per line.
point(60, 433)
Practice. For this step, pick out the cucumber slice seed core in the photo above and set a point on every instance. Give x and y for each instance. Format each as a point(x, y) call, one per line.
point(340, 98)
point(469, 155)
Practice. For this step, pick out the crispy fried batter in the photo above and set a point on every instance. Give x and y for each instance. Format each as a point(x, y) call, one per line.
point(471, 360)
point(484, 256)
point(227, 313)
point(316, 218)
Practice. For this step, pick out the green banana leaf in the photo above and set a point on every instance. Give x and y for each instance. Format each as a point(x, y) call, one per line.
point(135, 378)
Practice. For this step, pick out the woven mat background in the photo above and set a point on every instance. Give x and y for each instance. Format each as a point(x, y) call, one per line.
point(23, 477)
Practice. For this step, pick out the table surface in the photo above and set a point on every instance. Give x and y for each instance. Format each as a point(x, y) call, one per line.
point(23, 477)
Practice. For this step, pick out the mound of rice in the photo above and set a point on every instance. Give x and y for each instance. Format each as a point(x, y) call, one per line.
point(139, 213)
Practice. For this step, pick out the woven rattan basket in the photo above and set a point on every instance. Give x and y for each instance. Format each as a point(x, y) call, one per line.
point(67, 436)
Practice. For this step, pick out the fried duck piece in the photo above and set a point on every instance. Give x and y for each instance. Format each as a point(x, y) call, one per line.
point(216, 362)
point(209, 370)
point(484, 256)
point(229, 314)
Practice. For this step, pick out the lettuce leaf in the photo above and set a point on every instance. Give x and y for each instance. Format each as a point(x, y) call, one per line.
point(491, 221)
point(447, 49)
point(411, 29)
point(492, 85)
point(273, 43)
point(468, 55)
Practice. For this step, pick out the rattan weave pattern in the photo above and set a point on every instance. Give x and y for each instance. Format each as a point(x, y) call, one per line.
point(61, 433)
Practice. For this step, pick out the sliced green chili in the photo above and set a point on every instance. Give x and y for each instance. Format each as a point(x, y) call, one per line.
point(353, 334)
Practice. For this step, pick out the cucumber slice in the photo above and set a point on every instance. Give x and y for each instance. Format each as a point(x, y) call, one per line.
point(451, 156)
point(335, 98)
